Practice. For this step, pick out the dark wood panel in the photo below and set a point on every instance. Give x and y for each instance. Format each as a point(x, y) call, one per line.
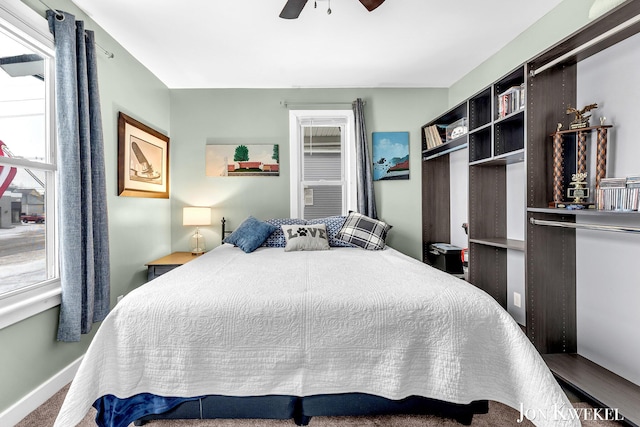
point(487, 201)
point(603, 387)
point(436, 217)
point(488, 270)
point(551, 285)
point(548, 96)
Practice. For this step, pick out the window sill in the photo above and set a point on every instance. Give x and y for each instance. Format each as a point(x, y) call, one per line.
point(29, 302)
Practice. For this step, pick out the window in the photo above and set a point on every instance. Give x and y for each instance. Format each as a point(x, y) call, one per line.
point(322, 163)
point(28, 251)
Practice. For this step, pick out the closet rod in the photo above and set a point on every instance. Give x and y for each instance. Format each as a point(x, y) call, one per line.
point(107, 53)
point(287, 104)
point(614, 228)
point(601, 37)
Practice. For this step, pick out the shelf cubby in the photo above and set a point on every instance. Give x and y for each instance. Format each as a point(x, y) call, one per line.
point(480, 108)
point(513, 81)
point(480, 144)
point(509, 134)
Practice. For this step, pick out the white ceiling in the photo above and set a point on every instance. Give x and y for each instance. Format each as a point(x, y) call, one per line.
point(244, 44)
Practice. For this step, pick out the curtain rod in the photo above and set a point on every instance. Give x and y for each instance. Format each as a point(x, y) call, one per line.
point(615, 228)
point(107, 53)
point(287, 104)
point(601, 37)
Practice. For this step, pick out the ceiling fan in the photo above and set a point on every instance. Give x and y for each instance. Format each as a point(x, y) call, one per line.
point(293, 8)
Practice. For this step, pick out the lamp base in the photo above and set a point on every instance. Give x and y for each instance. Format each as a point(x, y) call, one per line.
point(197, 243)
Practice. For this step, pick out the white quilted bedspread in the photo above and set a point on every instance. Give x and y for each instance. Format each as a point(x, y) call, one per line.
point(305, 323)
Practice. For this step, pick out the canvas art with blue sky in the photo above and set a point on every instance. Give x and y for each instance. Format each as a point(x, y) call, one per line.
point(390, 155)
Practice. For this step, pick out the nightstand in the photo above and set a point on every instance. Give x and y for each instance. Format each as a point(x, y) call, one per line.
point(167, 263)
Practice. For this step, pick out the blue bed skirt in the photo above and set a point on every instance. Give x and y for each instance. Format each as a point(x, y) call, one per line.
point(115, 412)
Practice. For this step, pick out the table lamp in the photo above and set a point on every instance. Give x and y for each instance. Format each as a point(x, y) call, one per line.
point(196, 216)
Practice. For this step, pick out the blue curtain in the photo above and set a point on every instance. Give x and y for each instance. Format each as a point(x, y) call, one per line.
point(366, 197)
point(82, 214)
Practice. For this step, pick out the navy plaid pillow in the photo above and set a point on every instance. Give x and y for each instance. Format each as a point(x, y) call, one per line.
point(360, 230)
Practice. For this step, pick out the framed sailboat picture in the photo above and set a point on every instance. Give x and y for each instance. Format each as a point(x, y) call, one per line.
point(143, 160)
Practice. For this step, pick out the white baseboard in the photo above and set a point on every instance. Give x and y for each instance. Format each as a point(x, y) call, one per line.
point(15, 413)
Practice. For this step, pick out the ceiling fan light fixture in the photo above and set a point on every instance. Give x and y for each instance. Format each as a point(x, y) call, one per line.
point(371, 4)
point(293, 8)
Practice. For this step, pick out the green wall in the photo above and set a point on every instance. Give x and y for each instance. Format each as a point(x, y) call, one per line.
point(256, 116)
point(565, 19)
point(139, 229)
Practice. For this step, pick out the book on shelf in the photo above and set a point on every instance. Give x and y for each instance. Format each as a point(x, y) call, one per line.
point(511, 100)
point(432, 137)
point(619, 194)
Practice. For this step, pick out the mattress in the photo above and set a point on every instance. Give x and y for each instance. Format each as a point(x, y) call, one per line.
point(305, 323)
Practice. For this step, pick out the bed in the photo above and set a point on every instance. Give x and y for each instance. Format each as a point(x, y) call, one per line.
point(305, 333)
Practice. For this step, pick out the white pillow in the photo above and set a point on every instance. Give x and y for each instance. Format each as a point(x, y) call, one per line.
point(305, 237)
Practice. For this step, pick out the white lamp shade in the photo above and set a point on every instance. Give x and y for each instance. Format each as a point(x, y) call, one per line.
point(196, 216)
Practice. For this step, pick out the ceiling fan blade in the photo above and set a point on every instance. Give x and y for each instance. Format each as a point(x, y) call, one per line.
point(292, 9)
point(371, 4)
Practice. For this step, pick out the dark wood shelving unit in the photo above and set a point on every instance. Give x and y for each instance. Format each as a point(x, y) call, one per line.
point(525, 135)
point(436, 218)
point(446, 148)
point(515, 244)
point(587, 212)
point(436, 205)
point(551, 251)
point(495, 143)
point(600, 385)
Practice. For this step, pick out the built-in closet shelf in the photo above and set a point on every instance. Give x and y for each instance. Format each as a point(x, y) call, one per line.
point(446, 148)
point(516, 115)
point(516, 156)
point(481, 128)
point(604, 387)
point(514, 244)
point(586, 212)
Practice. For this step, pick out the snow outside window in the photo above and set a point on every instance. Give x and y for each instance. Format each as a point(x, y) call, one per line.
point(29, 280)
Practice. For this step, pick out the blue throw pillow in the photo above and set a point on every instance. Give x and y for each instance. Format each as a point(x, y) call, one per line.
point(250, 234)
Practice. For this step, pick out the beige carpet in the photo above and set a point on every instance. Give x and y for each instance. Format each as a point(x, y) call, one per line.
point(499, 416)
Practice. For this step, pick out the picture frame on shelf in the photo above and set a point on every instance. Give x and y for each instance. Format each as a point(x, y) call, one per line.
point(143, 160)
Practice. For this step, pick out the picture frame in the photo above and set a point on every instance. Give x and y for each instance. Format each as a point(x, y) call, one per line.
point(390, 156)
point(143, 160)
point(231, 160)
